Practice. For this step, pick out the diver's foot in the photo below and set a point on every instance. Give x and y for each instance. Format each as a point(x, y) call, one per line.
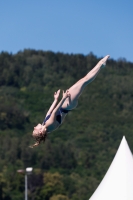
point(103, 61)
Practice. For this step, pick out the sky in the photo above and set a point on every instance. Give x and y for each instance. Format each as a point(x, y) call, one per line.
point(68, 26)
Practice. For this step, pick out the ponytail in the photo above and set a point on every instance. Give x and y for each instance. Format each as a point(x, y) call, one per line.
point(39, 140)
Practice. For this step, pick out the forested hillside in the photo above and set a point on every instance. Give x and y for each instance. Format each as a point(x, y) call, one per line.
point(74, 158)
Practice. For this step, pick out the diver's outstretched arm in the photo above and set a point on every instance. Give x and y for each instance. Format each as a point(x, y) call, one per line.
point(56, 96)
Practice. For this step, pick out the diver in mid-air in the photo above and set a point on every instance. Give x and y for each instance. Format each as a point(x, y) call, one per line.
point(69, 101)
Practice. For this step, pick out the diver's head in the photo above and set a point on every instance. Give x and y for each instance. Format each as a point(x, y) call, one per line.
point(39, 134)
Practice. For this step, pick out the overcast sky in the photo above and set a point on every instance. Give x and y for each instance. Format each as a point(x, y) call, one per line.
point(68, 26)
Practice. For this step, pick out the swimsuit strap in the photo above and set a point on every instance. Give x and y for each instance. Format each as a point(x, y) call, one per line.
point(46, 118)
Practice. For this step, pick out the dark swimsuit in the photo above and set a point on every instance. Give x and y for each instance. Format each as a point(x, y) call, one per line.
point(58, 116)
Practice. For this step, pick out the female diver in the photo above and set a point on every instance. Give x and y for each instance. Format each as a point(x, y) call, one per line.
point(69, 101)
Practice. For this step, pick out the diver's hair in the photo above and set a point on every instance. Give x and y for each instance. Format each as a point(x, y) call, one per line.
point(39, 139)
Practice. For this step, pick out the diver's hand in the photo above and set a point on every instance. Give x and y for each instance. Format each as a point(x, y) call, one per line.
point(66, 94)
point(57, 94)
